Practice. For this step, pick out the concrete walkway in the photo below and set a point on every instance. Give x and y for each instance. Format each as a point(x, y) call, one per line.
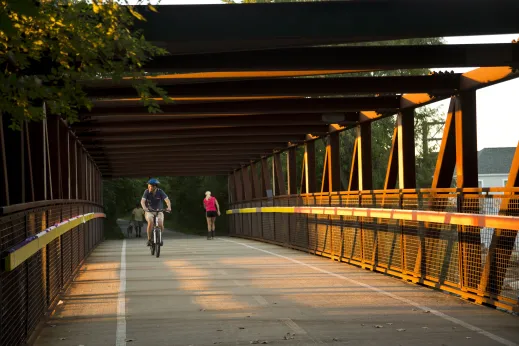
point(230, 291)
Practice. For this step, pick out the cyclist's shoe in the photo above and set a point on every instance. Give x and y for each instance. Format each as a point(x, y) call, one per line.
point(149, 243)
point(161, 243)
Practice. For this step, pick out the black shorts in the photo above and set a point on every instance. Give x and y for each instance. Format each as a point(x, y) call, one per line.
point(211, 214)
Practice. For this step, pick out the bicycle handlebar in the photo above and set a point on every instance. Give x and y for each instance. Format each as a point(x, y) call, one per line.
point(158, 210)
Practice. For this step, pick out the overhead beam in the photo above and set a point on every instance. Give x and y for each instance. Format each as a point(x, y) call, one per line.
point(348, 57)
point(260, 120)
point(260, 107)
point(295, 86)
point(261, 147)
point(199, 29)
point(185, 142)
point(158, 133)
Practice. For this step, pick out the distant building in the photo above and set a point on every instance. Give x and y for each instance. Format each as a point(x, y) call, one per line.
point(494, 165)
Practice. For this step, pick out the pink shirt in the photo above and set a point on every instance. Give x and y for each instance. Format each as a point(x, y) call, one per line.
point(210, 205)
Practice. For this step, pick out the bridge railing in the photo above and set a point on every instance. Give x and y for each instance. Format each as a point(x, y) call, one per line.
point(459, 240)
point(42, 245)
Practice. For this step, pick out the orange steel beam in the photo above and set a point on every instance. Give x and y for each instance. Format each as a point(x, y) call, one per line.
point(216, 76)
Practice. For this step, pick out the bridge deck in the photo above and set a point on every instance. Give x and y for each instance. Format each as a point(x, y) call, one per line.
point(230, 291)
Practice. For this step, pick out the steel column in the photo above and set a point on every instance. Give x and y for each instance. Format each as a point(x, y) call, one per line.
point(447, 156)
point(310, 176)
point(291, 171)
point(54, 155)
point(265, 178)
point(256, 185)
point(247, 186)
point(365, 174)
point(469, 237)
point(281, 187)
point(406, 148)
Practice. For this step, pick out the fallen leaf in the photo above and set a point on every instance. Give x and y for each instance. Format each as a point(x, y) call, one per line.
point(242, 327)
point(389, 324)
point(60, 302)
point(401, 330)
point(335, 339)
point(129, 340)
point(63, 338)
point(378, 326)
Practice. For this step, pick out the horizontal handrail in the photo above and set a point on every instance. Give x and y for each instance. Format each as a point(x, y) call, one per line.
point(450, 218)
point(22, 251)
point(41, 204)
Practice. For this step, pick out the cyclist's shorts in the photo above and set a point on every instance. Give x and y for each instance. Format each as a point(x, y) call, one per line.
point(149, 217)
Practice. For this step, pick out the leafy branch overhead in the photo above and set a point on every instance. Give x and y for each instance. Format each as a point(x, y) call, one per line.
point(49, 48)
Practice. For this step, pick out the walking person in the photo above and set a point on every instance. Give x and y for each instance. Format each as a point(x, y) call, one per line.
point(212, 209)
point(138, 218)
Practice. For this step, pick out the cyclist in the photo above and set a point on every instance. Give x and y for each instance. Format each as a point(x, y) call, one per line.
point(137, 219)
point(152, 199)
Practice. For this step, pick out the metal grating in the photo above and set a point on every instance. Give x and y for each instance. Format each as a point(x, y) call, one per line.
point(471, 260)
point(27, 291)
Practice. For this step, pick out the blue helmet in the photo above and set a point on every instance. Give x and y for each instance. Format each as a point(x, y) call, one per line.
point(153, 181)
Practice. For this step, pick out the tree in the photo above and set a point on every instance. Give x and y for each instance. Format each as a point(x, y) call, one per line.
point(49, 48)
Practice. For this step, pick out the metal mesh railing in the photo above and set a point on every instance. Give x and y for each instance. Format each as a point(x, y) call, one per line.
point(479, 263)
point(28, 291)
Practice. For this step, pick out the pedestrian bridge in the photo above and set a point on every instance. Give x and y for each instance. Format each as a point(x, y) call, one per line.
point(233, 291)
point(317, 251)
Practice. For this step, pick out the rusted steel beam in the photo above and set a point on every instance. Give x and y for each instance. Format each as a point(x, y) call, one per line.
point(292, 170)
point(176, 158)
point(65, 160)
point(283, 106)
point(406, 150)
point(186, 142)
point(110, 157)
point(193, 173)
point(281, 188)
point(310, 169)
point(216, 122)
point(239, 185)
point(447, 156)
point(469, 237)
point(349, 57)
point(157, 133)
point(393, 163)
point(335, 164)
point(298, 87)
point(29, 175)
point(336, 21)
point(466, 140)
point(364, 155)
point(253, 148)
point(265, 178)
point(353, 184)
point(256, 181)
point(54, 154)
point(204, 77)
point(36, 136)
point(247, 186)
point(72, 166)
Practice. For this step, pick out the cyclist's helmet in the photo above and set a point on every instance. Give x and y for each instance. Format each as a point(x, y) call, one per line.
point(153, 181)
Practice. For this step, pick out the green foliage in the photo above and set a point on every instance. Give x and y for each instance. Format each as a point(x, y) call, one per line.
point(49, 48)
point(186, 195)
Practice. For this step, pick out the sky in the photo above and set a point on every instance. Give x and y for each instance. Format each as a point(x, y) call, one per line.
point(497, 105)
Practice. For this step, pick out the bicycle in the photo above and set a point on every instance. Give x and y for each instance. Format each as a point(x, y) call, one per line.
point(156, 240)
